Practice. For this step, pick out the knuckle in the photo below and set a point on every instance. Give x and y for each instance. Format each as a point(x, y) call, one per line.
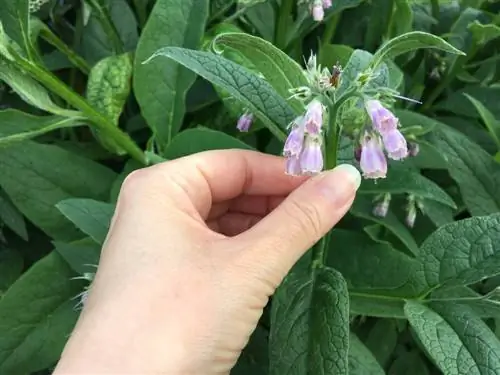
point(307, 218)
point(136, 181)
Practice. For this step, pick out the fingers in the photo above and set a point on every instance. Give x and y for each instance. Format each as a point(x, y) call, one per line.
point(277, 241)
point(216, 176)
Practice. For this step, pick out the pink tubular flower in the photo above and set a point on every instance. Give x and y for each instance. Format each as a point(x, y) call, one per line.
point(292, 166)
point(395, 144)
point(314, 117)
point(311, 158)
point(327, 4)
point(373, 162)
point(244, 122)
point(318, 12)
point(294, 142)
point(383, 120)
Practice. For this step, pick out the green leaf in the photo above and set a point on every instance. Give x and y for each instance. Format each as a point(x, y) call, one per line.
point(30, 90)
point(330, 54)
point(11, 267)
point(91, 217)
point(161, 86)
point(16, 126)
point(488, 118)
point(196, 140)
point(14, 18)
point(382, 340)
point(96, 44)
point(82, 255)
point(310, 325)
point(361, 360)
point(438, 213)
point(483, 34)
point(458, 104)
point(108, 88)
point(244, 85)
point(262, 16)
point(11, 217)
point(363, 207)
point(32, 339)
point(461, 253)
point(458, 341)
point(410, 42)
point(377, 306)
point(474, 170)
point(277, 67)
point(409, 363)
point(402, 18)
point(403, 181)
point(36, 177)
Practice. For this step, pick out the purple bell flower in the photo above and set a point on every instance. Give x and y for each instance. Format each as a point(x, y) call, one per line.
point(395, 144)
point(383, 120)
point(292, 166)
point(294, 142)
point(317, 11)
point(311, 158)
point(314, 117)
point(327, 4)
point(373, 162)
point(244, 122)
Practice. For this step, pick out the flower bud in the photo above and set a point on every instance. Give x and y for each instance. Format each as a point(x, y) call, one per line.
point(244, 122)
point(413, 149)
point(382, 207)
point(318, 12)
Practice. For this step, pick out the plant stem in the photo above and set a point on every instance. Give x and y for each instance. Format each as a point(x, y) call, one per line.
point(284, 14)
point(101, 122)
point(331, 27)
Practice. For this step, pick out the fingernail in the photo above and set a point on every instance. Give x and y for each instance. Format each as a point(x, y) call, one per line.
point(351, 173)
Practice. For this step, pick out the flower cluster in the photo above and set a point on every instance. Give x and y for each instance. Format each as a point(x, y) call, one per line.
point(384, 133)
point(318, 9)
point(303, 147)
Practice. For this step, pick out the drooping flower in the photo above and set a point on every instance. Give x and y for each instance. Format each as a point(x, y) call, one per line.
point(311, 158)
point(373, 162)
point(292, 166)
point(382, 207)
point(294, 142)
point(314, 117)
point(317, 11)
point(244, 122)
point(395, 144)
point(327, 4)
point(383, 120)
point(411, 216)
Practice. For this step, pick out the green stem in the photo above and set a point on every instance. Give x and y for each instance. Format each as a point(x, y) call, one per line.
point(77, 60)
point(284, 14)
point(101, 122)
point(331, 27)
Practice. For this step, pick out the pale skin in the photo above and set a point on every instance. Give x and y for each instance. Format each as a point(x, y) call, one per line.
point(196, 248)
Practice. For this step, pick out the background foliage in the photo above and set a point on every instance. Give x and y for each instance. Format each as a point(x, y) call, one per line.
point(80, 110)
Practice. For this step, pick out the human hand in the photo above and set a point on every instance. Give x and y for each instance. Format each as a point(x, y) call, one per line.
point(195, 248)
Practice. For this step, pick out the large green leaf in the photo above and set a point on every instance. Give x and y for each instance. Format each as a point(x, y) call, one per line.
point(196, 140)
point(11, 217)
point(458, 104)
point(14, 18)
point(458, 341)
point(361, 360)
point(255, 92)
point(91, 217)
point(310, 325)
point(462, 252)
point(409, 363)
point(108, 88)
point(277, 67)
point(31, 339)
point(403, 181)
point(36, 177)
point(410, 42)
point(16, 126)
point(483, 34)
point(488, 118)
point(161, 86)
point(474, 170)
point(382, 340)
point(82, 255)
point(11, 267)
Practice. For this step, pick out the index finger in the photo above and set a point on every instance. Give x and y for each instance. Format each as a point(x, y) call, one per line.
point(215, 176)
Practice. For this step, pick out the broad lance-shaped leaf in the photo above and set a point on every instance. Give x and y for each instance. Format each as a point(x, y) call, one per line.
point(256, 93)
point(403, 181)
point(90, 216)
point(361, 360)
point(32, 339)
point(474, 170)
point(282, 72)
point(310, 325)
point(82, 255)
point(14, 20)
point(461, 253)
point(16, 126)
point(482, 34)
point(488, 118)
point(11, 217)
point(108, 88)
point(11, 267)
point(37, 177)
point(458, 341)
point(410, 42)
point(161, 86)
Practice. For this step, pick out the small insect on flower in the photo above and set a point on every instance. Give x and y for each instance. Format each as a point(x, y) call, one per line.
point(244, 122)
point(373, 162)
point(335, 77)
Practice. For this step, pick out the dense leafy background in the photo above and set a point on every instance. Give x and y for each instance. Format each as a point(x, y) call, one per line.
point(79, 110)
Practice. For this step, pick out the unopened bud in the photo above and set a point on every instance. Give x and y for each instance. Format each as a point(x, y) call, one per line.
point(413, 149)
point(382, 207)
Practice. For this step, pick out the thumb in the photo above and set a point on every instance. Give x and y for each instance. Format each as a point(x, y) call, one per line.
point(307, 214)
